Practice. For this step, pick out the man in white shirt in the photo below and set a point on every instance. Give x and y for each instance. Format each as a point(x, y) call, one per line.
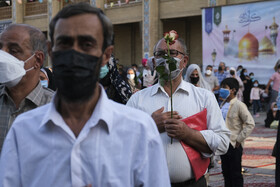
point(211, 79)
point(82, 138)
point(187, 101)
point(148, 74)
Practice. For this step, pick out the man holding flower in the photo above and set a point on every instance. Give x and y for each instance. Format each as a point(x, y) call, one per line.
point(172, 92)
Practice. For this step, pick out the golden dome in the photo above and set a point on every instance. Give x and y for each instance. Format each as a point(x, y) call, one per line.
point(248, 47)
point(266, 46)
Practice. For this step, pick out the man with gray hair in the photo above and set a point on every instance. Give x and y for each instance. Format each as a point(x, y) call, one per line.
point(184, 169)
point(23, 49)
point(82, 138)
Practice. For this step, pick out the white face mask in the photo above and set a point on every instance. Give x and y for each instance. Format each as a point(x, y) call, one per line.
point(208, 72)
point(130, 76)
point(11, 69)
point(175, 73)
point(275, 109)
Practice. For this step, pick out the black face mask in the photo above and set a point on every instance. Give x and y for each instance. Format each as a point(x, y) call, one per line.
point(76, 74)
point(220, 68)
point(232, 73)
point(194, 80)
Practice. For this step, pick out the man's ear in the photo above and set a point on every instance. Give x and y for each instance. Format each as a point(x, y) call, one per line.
point(107, 55)
point(186, 60)
point(39, 56)
point(233, 90)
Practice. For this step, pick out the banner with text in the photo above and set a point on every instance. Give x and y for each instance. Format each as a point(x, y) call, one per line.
point(245, 34)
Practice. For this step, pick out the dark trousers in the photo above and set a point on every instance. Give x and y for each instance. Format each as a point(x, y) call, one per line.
point(191, 183)
point(277, 152)
point(256, 106)
point(231, 166)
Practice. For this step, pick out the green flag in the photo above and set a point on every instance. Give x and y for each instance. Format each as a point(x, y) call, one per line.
point(217, 15)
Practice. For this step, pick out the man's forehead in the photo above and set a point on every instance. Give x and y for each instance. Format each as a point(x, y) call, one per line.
point(162, 45)
point(83, 24)
point(16, 36)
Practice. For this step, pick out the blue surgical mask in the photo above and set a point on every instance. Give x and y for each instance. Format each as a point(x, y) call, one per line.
point(245, 73)
point(103, 71)
point(224, 93)
point(256, 85)
point(44, 83)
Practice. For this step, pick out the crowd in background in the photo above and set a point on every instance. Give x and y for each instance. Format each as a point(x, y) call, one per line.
point(120, 82)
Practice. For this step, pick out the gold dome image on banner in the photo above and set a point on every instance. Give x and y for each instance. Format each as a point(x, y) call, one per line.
point(266, 46)
point(248, 47)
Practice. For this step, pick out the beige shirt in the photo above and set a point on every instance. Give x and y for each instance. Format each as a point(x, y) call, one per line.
point(239, 121)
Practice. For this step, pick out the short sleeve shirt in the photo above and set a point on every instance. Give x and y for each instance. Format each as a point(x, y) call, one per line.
point(276, 81)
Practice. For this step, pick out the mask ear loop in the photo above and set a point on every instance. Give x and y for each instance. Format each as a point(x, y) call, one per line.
point(27, 61)
point(29, 58)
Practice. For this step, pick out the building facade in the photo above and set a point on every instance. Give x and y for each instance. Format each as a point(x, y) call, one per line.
point(138, 24)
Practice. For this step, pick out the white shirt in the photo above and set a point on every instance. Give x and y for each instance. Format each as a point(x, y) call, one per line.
point(114, 148)
point(187, 101)
point(224, 109)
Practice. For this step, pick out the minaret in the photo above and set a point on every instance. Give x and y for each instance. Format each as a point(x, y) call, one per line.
point(273, 32)
point(226, 40)
point(226, 35)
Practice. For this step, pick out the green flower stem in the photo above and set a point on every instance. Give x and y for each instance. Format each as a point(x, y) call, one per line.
point(168, 52)
point(171, 103)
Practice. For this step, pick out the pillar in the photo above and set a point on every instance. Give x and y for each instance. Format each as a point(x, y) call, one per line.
point(98, 4)
point(150, 26)
point(155, 22)
point(17, 12)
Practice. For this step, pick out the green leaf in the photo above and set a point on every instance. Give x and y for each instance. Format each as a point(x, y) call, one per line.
point(172, 66)
point(164, 76)
point(160, 69)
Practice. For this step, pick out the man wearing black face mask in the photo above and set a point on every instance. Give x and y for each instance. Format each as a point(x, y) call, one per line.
point(82, 136)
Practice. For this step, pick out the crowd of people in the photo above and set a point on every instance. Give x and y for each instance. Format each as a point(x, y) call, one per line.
point(90, 121)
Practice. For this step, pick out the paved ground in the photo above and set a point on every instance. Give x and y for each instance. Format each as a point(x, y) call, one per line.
point(256, 158)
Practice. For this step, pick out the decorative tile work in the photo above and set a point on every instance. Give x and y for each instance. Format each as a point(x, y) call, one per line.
point(93, 2)
point(146, 26)
point(14, 2)
point(50, 10)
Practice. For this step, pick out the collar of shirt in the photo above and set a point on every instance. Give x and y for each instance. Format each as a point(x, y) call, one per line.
point(34, 96)
point(233, 100)
point(184, 86)
point(102, 114)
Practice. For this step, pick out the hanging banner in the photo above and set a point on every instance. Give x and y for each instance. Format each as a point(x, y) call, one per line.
point(217, 15)
point(208, 20)
point(245, 34)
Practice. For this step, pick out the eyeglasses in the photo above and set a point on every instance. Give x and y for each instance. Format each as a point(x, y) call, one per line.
point(173, 53)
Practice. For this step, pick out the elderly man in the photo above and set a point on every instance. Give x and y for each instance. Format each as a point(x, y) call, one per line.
point(18, 93)
point(188, 100)
point(82, 138)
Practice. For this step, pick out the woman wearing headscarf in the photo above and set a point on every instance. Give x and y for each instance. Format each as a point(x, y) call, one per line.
point(47, 78)
point(233, 73)
point(272, 114)
point(247, 82)
point(132, 80)
point(194, 76)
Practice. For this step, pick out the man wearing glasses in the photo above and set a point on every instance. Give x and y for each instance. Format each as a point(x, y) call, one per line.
point(188, 100)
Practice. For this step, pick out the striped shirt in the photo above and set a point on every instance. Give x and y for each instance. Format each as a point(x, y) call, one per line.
point(8, 110)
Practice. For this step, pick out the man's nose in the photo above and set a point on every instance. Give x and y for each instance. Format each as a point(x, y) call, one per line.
point(76, 47)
